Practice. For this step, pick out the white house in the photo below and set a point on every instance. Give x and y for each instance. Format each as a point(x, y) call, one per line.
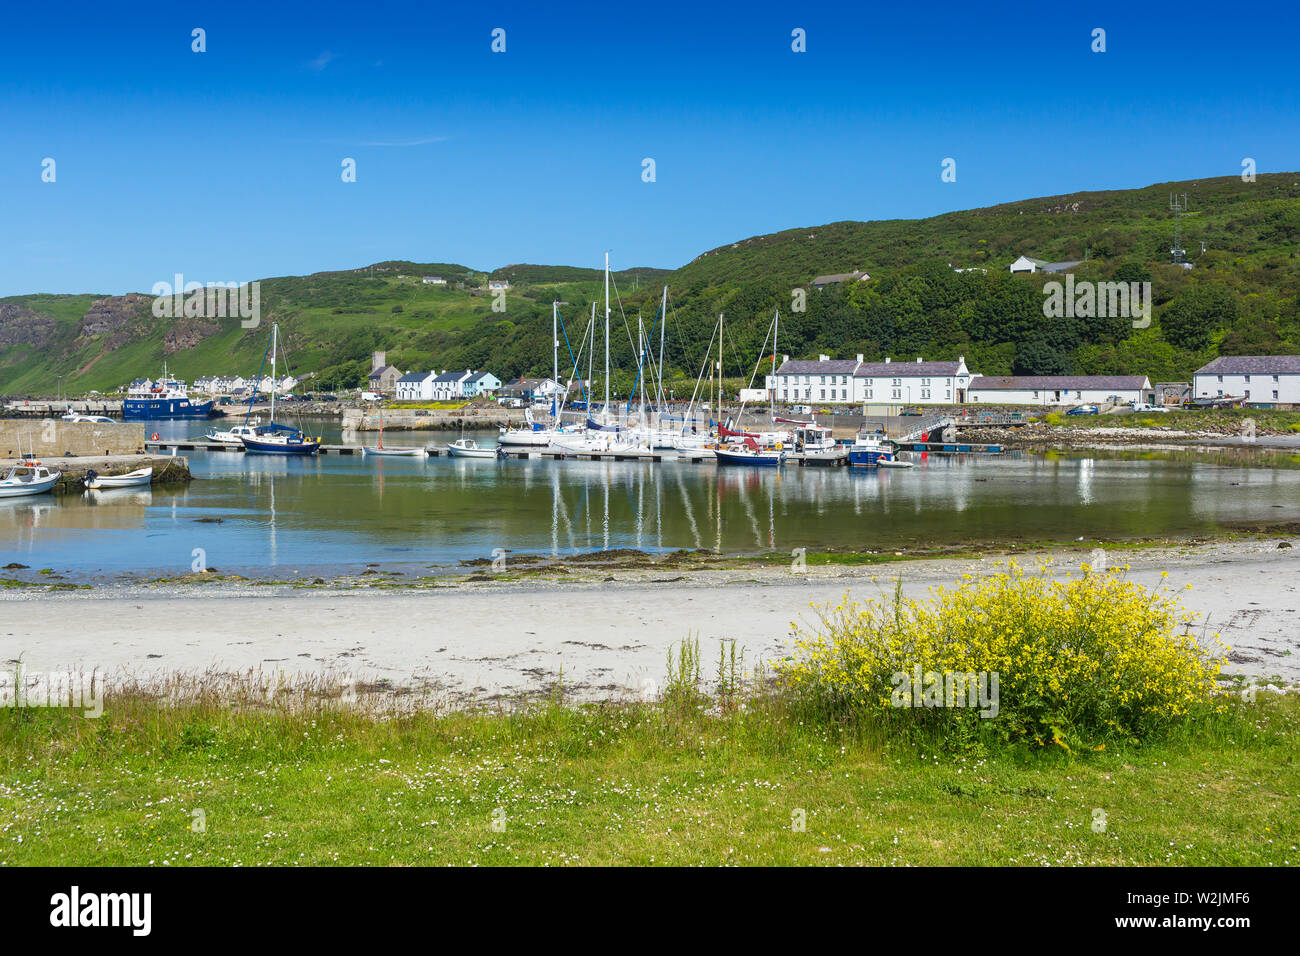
point(1057, 389)
point(913, 383)
point(434, 280)
point(448, 386)
point(1026, 264)
point(854, 382)
point(538, 391)
point(414, 387)
point(825, 380)
point(1259, 379)
point(498, 285)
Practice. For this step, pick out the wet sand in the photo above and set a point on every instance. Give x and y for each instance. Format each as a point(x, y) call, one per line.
point(607, 637)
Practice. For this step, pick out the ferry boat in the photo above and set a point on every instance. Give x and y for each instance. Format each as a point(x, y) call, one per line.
point(163, 400)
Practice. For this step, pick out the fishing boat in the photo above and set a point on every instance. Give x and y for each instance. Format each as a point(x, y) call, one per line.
point(275, 438)
point(235, 434)
point(392, 451)
point(28, 478)
point(97, 482)
point(468, 448)
point(164, 400)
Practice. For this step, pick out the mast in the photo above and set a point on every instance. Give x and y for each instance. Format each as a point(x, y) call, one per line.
point(663, 323)
point(641, 344)
point(776, 328)
point(591, 354)
point(607, 338)
point(555, 339)
point(275, 336)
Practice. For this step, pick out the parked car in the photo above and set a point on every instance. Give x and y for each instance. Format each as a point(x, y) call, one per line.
point(1083, 410)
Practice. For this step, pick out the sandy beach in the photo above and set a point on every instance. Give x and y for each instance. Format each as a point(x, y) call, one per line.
point(608, 635)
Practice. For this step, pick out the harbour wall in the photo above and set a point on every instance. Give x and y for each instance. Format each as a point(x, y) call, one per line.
point(51, 438)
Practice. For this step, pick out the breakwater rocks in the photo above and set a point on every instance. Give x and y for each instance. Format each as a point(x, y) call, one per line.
point(1043, 435)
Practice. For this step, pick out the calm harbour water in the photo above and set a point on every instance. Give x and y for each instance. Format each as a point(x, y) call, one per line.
point(338, 513)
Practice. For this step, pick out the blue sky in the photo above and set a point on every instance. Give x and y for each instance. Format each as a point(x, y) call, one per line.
point(225, 165)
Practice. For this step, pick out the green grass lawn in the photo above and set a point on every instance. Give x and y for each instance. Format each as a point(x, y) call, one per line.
point(627, 783)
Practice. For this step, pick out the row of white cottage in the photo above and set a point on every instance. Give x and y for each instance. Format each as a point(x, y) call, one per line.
point(1256, 379)
point(857, 382)
point(445, 386)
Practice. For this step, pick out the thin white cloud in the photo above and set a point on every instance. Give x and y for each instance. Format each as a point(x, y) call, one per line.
point(321, 61)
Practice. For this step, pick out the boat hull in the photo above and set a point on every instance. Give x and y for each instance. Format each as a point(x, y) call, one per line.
point(748, 459)
point(130, 480)
point(394, 452)
point(471, 452)
point(869, 458)
point(165, 409)
point(260, 447)
point(30, 488)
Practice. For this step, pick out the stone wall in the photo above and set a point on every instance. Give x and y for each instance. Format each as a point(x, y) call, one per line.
point(51, 438)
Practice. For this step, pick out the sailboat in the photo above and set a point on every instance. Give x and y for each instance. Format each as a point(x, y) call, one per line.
point(749, 451)
point(534, 434)
point(396, 452)
point(275, 438)
point(604, 435)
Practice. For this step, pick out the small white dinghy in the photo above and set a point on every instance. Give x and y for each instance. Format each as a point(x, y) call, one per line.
point(97, 482)
point(894, 463)
point(394, 452)
point(28, 478)
point(468, 448)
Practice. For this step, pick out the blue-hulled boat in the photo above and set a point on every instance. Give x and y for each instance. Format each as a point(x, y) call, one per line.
point(275, 438)
point(750, 455)
point(868, 451)
point(278, 439)
point(164, 400)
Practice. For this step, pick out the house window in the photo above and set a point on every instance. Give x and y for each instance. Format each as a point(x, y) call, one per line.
point(1275, 379)
point(1275, 395)
point(1220, 379)
point(1248, 378)
point(925, 381)
point(823, 382)
point(925, 393)
point(1035, 394)
point(896, 382)
point(1248, 393)
point(870, 382)
point(897, 394)
point(844, 394)
point(823, 395)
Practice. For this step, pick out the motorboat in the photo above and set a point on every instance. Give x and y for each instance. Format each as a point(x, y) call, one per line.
point(235, 434)
point(469, 448)
point(97, 482)
point(96, 419)
point(28, 478)
point(870, 450)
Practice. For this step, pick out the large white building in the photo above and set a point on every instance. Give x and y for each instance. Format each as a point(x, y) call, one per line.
point(1258, 379)
point(1057, 389)
point(855, 382)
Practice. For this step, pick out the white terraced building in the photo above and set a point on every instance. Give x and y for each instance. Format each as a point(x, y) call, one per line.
point(1259, 379)
point(855, 382)
point(1058, 389)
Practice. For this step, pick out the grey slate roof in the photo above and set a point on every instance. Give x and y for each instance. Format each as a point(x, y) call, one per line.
point(415, 376)
point(906, 369)
point(450, 377)
point(478, 376)
point(1252, 365)
point(1047, 383)
point(808, 367)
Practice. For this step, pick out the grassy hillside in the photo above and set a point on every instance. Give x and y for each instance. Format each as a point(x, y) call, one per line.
point(1242, 297)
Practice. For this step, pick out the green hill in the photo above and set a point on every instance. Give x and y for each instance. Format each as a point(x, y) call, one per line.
point(1241, 297)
